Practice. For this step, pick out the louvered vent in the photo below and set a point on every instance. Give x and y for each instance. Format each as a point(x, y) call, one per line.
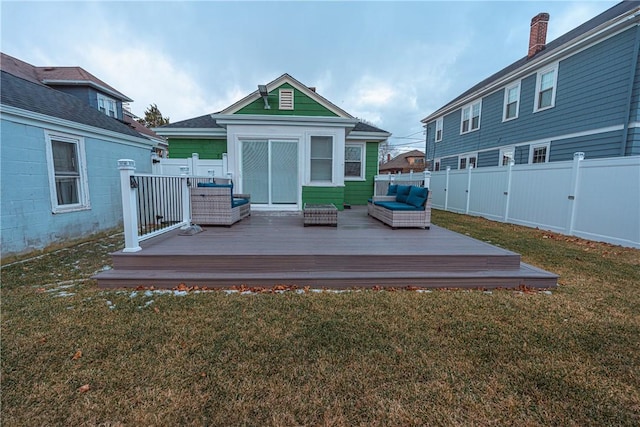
point(286, 99)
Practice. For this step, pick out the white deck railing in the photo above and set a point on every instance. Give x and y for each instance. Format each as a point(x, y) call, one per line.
point(382, 182)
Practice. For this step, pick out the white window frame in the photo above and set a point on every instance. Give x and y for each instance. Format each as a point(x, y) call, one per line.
point(532, 149)
point(108, 104)
point(436, 164)
point(553, 68)
point(290, 96)
point(83, 185)
point(363, 165)
point(333, 156)
point(470, 108)
point(439, 127)
point(515, 86)
point(505, 154)
point(467, 160)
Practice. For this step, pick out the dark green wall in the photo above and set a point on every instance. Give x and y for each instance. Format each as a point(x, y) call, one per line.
point(209, 149)
point(358, 192)
point(302, 105)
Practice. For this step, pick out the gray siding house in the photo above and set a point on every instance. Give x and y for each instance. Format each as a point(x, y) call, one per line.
point(62, 132)
point(578, 93)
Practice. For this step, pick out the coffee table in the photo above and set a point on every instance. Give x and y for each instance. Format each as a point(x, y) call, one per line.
point(320, 214)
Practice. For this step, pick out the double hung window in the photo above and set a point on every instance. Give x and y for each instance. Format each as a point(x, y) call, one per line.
point(67, 172)
point(321, 159)
point(470, 117)
point(511, 102)
point(546, 83)
point(353, 161)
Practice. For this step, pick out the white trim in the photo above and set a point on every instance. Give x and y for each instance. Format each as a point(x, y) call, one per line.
point(27, 117)
point(470, 107)
point(551, 68)
point(83, 185)
point(437, 161)
point(504, 152)
point(108, 101)
point(257, 119)
point(634, 125)
point(363, 161)
point(112, 92)
point(516, 86)
point(192, 132)
point(545, 145)
point(439, 120)
point(597, 35)
point(332, 181)
point(369, 136)
point(467, 157)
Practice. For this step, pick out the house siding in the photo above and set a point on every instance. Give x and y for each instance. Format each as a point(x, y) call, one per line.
point(358, 192)
point(592, 94)
point(27, 221)
point(488, 158)
point(302, 104)
point(323, 195)
point(207, 149)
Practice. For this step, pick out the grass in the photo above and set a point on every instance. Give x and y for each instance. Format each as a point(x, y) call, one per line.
point(361, 358)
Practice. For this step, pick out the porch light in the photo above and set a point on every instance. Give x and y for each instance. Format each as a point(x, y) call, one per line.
point(264, 94)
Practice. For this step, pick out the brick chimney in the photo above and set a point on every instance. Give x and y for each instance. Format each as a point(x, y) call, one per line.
point(538, 34)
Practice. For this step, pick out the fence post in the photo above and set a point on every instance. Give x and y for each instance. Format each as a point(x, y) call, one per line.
point(573, 191)
point(225, 164)
point(468, 190)
point(446, 189)
point(507, 192)
point(128, 187)
point(195, 160)
point(186, 200)
point(427, 179)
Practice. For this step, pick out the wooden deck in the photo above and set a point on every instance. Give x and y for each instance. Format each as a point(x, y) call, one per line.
point(270, 249)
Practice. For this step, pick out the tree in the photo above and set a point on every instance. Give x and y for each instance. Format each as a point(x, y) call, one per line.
point(153, 117)
point(384, 150)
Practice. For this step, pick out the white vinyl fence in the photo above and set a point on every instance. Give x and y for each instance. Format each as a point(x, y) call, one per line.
point(596, 199)
point(192, 166)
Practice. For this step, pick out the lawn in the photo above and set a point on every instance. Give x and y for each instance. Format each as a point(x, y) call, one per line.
point(73, 354)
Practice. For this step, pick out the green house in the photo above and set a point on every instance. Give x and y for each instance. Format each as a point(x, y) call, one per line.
point(285, 145)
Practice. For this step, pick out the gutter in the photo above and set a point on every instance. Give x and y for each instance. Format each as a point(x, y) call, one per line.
point(624, 144)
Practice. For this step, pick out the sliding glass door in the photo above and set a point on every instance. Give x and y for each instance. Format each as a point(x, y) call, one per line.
point(270, 171)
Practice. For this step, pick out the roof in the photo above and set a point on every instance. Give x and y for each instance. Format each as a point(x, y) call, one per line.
point(142, 129)
point(27, 95)
point(400, 161)
point(606, 16)
point(201, 122)
point(52, 76)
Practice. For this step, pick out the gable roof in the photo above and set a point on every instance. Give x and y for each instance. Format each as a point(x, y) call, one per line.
point(286, 78)
point(625, 8)
point(38, 98)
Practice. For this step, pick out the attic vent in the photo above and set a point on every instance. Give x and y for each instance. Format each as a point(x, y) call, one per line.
point(286, 99)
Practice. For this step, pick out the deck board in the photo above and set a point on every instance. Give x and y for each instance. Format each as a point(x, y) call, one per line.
point(267, 249)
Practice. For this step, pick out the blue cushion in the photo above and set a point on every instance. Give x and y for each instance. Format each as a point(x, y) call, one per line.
point(213, 184)
point(239, 202)
point(397, 206)
point(417, 196)
point(403, 193)
point(393, 190)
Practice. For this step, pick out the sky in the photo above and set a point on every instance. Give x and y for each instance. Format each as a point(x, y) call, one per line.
point(387, 62)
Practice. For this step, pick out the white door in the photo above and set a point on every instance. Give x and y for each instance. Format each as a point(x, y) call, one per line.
point(270, 172)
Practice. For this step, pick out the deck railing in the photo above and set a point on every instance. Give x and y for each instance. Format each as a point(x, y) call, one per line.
point(153, 204)
point(382, 182)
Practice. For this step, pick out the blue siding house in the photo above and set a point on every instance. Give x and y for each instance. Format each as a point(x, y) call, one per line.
point(578, 93)
point(62, 132)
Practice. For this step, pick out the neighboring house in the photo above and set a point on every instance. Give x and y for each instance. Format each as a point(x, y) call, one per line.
point(286, 146)
point(62, 133)
point(578, 93)
point(411, 161)
point(161, 148)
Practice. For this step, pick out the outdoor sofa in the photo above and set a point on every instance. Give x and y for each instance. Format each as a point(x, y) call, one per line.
point(403, 206)
point(215, 204)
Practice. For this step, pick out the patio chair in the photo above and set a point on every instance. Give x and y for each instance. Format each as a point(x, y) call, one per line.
point(215, 204)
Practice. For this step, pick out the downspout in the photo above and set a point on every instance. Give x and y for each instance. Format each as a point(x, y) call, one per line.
point(624, 145)
point(426, 144)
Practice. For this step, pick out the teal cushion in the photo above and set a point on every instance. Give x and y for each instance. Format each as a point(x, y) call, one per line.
point(403, 193)
point(393, 190)
point(397, 206)
point(239, 202)
point(417, 196)
point(212, 184)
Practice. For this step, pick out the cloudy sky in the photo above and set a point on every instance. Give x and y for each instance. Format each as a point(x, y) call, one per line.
point(390, 63)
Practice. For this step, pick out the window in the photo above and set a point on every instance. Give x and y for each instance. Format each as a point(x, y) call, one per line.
point(539, 153)
point(470, 117)
point(506, 155)
point(439, 124)
point(67, 172)
point(353, 161)
point(511, 102)
point(107, 105)
point(546, 88)
point(468, 161)
point(286, 99)
point(321, 158)
point(436, 167)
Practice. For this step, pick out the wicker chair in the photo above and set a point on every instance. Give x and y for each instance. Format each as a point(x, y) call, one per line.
point(217, 205)
point(400, 218)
